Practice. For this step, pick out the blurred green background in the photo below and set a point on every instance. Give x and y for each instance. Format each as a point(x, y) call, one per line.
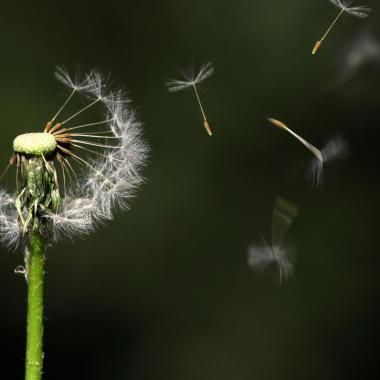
point(164, 291)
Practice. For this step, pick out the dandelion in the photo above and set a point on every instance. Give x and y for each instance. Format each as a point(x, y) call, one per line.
point(262, 256)
point(334, 149)
point(192, 80)
point(54, 199)
point(345, 7)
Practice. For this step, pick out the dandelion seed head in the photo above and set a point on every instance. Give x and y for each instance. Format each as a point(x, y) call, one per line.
point(111, 156)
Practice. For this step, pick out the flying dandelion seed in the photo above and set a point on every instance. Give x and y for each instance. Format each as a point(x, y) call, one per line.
point(192, 80)
point(336, 148)
point(52, 196)
point(345, 7)
point(262, 256)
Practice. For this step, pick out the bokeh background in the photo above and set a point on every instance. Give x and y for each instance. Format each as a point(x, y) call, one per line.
point(164, 291)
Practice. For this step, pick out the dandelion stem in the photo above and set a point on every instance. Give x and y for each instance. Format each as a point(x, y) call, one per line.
point(34, 324)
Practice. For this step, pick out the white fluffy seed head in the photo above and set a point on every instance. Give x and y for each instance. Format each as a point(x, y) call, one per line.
point(106, 182)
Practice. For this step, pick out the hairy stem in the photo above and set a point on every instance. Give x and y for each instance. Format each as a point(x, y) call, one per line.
point(34, 324)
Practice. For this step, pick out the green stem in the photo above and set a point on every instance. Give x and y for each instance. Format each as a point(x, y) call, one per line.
point(34, 324)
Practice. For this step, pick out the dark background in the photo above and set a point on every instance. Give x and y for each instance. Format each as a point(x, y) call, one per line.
point(164, 291)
